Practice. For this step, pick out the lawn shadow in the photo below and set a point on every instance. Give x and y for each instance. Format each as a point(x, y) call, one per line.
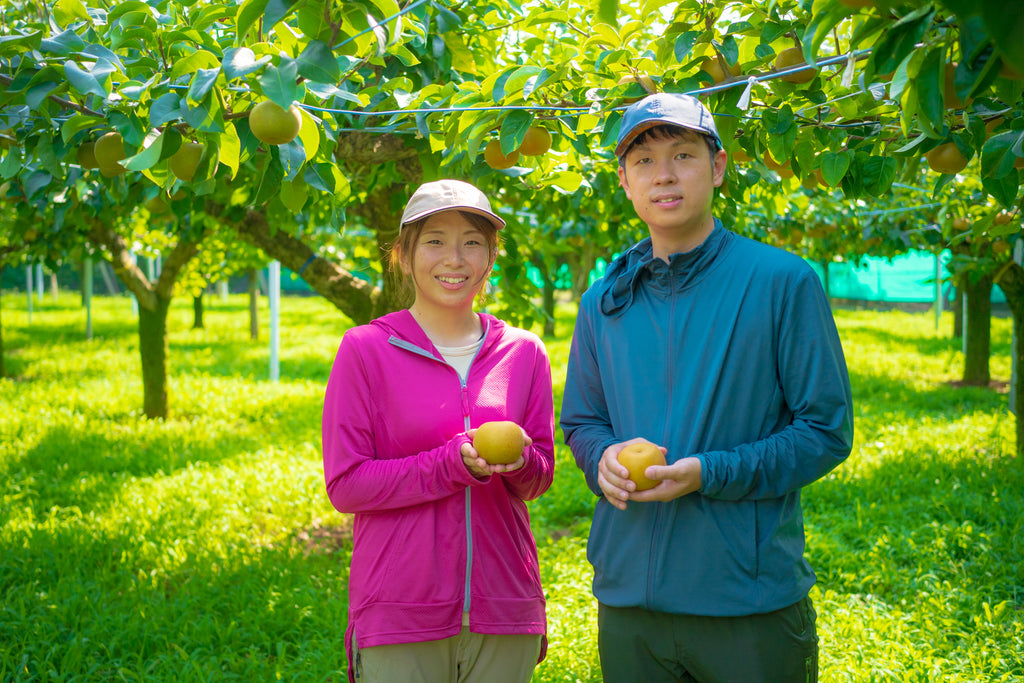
point(249, 613)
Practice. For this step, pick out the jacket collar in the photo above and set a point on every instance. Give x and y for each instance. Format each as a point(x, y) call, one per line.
point(625, 273)
point(402, 326)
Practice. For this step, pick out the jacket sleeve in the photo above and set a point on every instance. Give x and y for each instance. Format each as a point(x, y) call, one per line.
point(813, 376)
point(585, 420)
point(535, 476)
point(357, 480)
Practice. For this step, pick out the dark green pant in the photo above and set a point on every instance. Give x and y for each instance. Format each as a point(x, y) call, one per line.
point(640, 645)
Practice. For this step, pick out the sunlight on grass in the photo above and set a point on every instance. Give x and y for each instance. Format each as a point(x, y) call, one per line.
point(203, 547)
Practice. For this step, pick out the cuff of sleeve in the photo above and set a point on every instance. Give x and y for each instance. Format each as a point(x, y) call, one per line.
point(461, 472)
point(708, 484)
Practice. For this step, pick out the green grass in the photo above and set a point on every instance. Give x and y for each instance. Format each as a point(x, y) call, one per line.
point(203, 547)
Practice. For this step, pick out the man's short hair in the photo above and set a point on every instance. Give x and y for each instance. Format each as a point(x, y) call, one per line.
point(667, 130)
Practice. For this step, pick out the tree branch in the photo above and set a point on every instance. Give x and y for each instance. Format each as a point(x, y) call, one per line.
point(354, 297)
point(67, 104)
point(120, 259)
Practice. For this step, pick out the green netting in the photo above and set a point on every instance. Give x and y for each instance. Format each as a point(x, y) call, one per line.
point(906, 278)
point(910, 277)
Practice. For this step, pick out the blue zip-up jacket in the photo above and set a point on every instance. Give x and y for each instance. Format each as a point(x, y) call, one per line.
point(728, 353)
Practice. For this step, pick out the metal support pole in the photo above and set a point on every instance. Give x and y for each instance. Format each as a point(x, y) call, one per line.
point(28, 290)
point(87, 289)
point(274, 289)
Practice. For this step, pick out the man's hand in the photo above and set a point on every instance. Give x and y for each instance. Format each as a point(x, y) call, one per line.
point(613, 477)
point(676, 480)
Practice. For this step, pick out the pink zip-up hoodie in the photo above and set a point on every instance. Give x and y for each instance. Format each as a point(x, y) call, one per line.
point(430, 539)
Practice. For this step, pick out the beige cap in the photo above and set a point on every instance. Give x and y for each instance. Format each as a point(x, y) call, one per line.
point(442, 195)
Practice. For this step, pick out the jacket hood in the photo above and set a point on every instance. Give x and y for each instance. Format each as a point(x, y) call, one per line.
point(402, 326)
point(618, 287)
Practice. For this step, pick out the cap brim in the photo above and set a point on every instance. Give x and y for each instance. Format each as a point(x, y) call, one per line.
point(639, 128)
point(496, 221)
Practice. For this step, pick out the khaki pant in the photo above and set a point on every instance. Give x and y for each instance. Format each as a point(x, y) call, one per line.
point(465, 658)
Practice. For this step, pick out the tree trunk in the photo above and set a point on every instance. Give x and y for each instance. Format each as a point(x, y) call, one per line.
point(154, 299)
point(978, 329)
point(1011, 280)
point(548, 293)
point(958, 309)
point(197, 312)
point(153, 351)
point(581, 263)
point(254, 298)
point(3, 371)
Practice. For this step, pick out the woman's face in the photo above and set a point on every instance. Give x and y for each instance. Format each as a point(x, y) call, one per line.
point(450, 262)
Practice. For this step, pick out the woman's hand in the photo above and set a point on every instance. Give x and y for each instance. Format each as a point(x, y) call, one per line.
point(480, 468)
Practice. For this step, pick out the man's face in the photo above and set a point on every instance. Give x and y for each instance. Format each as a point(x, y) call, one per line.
point(671, 180)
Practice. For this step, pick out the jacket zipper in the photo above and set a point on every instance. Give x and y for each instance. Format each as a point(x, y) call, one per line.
point(669, 358)
point(464, 402)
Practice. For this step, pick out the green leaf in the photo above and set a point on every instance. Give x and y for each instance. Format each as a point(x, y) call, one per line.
point(317, 63)
point(11, 164)
point(15, 44)
point(270, 178)
point(834, 166)
point(294, 194)
point(1004, 190)
point(309, 133)
point(206, 116)
point(229, 150)
point(200, 59)
point(567, 181)
point(127, 7)
point(818, 29)
point(202, 82)
point(241, 61)
point(513, 130)
point(249, 14)
point(1000, 152)
point(166, 108)
point(608, 11)
point(878, 174)
point(292, 158)
point(901, 39)
point(931, 89)
point(276, 11)
point(46, 153)
point(1005, 23)
point(152, 150)
point(62, 44)
point(517, 81)
point(684, 44)
point(35, 183)
point(67, 11)
point(92, 81)
point(278, 83)
point(320, 177)
point(78, 123)
point(37, 94)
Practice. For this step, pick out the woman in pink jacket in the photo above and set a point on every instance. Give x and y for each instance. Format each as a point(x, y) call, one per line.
point(444, 583)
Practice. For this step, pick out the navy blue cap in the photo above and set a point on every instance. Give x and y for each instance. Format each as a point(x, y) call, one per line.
point(662, 108)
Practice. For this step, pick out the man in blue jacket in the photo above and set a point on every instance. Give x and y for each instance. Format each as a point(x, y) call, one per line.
point(724, 352)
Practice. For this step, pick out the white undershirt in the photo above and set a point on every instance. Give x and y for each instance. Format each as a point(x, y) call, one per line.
point(459, 357)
